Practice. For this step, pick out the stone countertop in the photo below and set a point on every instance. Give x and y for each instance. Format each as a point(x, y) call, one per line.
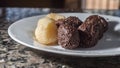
point(15, 55)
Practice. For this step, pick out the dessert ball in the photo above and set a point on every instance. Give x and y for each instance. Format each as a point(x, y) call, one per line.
point(75, 20)
point(92, 30)
point(72, 20)
point(46, 31)
point(68, 36)
point(99, 19)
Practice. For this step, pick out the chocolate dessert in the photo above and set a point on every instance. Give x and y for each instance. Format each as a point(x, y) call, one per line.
point(70, 32)
point(92, 30)
point(72, 20)
point(68, 36)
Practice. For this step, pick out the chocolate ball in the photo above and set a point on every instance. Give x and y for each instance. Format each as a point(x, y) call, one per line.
point(92, 30)
point(72, 20)
point(68, 36)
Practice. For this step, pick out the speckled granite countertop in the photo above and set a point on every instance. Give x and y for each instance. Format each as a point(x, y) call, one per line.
point(15, 55)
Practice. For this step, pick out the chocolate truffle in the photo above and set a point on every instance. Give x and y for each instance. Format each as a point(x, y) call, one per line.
point(75, 20)
point(92, 30)
point(68, 36)
point(72, 20)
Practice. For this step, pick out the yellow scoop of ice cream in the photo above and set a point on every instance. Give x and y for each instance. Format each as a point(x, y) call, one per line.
point(46, 31)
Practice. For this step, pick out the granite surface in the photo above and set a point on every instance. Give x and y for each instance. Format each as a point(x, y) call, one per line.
point(15, 55)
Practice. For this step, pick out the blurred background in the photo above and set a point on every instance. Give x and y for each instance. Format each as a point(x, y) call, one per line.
point(17, 9)
point(84, 4)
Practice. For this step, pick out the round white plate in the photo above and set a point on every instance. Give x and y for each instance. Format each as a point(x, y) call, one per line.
point(22, 31)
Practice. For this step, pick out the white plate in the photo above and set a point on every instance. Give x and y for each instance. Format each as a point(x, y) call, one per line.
point(22, 31)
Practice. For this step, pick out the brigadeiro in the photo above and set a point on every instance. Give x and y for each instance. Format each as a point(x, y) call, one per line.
point(72, 20)
point(68, 36)
point(92, 30)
